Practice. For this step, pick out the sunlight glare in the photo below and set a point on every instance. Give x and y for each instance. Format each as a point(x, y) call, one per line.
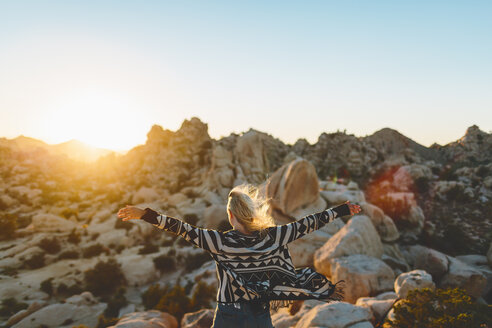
point(98, 118)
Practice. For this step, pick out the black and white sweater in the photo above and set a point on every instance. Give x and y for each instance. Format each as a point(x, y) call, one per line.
point(250, 267)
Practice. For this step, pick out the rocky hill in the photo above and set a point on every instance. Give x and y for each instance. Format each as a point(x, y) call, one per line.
point(425, 209)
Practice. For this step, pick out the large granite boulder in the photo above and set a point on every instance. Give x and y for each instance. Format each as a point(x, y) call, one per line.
point(384, 224)
point(292, 187)
point(427, 259)
point(147, 319)
point(81, 309)
point(363, 276)
point(336, 315)
point(358, 236)
point(46, 222)
point(416, 279)
point(379, 305)
point(464, 276)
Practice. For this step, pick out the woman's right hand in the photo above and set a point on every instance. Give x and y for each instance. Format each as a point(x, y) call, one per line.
point(130, 212)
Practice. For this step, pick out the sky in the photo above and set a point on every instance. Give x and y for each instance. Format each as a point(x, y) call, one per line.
point(104, 72)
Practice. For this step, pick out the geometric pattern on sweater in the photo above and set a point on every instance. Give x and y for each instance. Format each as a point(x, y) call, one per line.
point(250, 267)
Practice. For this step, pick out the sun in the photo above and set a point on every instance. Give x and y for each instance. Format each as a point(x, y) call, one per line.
point(99, 118)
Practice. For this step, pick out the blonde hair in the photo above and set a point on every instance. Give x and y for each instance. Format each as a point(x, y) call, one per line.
point(250, 208)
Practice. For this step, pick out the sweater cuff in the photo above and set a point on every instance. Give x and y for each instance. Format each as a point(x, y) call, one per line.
point(150, 216)
point(341, 210)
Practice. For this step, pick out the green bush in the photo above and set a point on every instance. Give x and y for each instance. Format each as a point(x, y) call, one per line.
point(93, 250)
point(165, 263)
point(440, 308)
point(50, 245)
point(10, 306)
point(105, 278)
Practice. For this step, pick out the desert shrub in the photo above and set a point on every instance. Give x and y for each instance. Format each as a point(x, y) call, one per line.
point(165, 263)
point(47, 286)
point(115, 303)
point(9, 271)
point(50, 245)
point(194, 261)
point(203, 296)
point(74, 289)
point(68, 255)
point(440, 308)
point(8, 225)
point(148, 248)
point(167, 242)
point(74, 237)
point(68, 212)
point(105, 278)
point(183, 242)
point(120, 224)
point(94, 236)
point(151, 297)
point(103, 321)
point(456, 193)
point(92, 250)
point(35, 262)
point(175, 301)
point(483, 171)
point(422, 184)
point(10, 306)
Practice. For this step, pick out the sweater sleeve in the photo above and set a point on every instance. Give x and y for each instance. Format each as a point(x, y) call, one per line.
point(208, 239)
point(287, 233)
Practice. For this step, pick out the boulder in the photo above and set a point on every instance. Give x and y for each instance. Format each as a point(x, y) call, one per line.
point(427, 259)
point(416, 279)
point(464, 276)
point(393, 257)
point(404, 178)
point(46, 222)
point(33, 307)
point(302, 250)
point(145, 195)
point(378, 307)
point(77, 310)
point(138, 269)
point(293, 186)
point(358, 236)
point(363, 276)
point(214, 215)
point(384, 225)
point(251, 155)
point(335, 315)
point(147, 319)
point(336, 193)
point(200, 319)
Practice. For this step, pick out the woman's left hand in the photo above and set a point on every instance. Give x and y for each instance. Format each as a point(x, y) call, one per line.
point(354, 209)
point(130, 212)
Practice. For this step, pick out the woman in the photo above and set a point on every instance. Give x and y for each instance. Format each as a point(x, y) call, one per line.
point(254, 267)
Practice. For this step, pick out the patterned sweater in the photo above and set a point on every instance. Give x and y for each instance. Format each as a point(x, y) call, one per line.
point(250, 267)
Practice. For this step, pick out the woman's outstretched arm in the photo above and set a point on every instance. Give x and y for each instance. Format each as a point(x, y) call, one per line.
point(289, 232)
point(208, 239)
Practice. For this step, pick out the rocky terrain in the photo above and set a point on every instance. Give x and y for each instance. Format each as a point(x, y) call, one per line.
point(66, 260)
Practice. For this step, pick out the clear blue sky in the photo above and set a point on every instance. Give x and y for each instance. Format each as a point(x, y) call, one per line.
point(105, 71)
